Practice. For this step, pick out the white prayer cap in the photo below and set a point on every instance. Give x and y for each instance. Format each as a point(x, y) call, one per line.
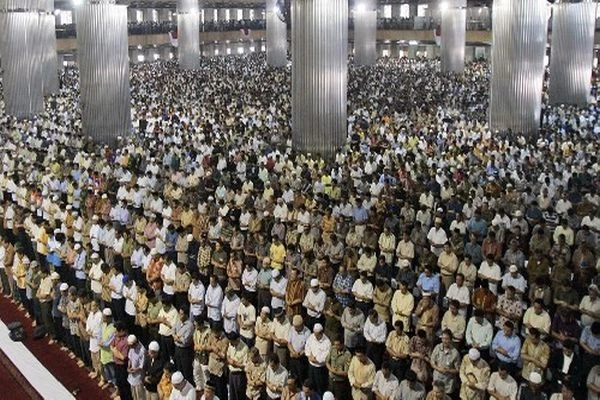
point(265, 309)
point(131, 339)
point(474, 354)
point(513, 268)
point(314, 282)
point(177, 378)
point(535, 378)
point(318, 328)
point(154, 346)
point(107, 312)
point(64, 287)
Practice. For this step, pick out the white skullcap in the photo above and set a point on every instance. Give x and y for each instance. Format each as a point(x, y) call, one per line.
point(153, 252)
point(63, 287)
point(107, 312)
point(318, 328)
point(265, 309)
point(535, 378)
point(314, 282)
point(176, 378)
point(328, 396)
point(154, 346)
point(77, 246)
point(54, 275)
point(474, 354)
point(190, 237)
point(131, 339)
point(513, 268)
point(95, 255)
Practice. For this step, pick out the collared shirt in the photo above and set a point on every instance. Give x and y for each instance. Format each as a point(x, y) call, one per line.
point(404, 391)
point(398, 344)
point(479, 335)
point(341, 282)
point(362, 289)
point(478, 374)
point(316, 301)
point(511, 344)
point(317, 348)
point(339, 360)
point(196, 292)
point(298, 339)
point(446, 358)
point(172, 317)
point(386, 386)
point(276, 378)
point(429, 283)
point(213, 301)
point(137, 357)
point(247, 315)
point(183, 333)
point(456, 324)
point(362, 375)
point(229, 309)
point(278, 287)
point(239, 354)
point(504, 387)
point(375, 333)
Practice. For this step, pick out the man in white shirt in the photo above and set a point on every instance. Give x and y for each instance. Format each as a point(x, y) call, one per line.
point(182, 389)
point(385, 384)
point(314, 303)
point(277, 286)
point(479, 332)
point(437, 237)
point(167, 275)
point(229, 310)
point(460, 292)
point(196, 293)
point(375, 333)
point(246, 319)
point(491, 271)
point(317, 349)
point(213, 300)
point(502, 385)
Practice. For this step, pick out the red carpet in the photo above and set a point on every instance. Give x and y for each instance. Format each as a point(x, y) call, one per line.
point(12, 381)
point(57, 362)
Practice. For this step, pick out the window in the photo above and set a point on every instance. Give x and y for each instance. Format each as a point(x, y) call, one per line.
point(139, 15)
point(422, 10)
point(404, 11)
point(387, 11)
point(65, 17)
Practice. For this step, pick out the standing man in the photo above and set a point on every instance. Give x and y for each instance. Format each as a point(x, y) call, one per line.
point(296, 346)
point(317, 349)
point(135, 369)
point(338, 362)
point(237, 357)
point(183, 337)
point(361, 374)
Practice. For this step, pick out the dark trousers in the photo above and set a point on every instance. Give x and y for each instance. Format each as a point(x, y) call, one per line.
point(264, 298)
point(237, 385)
point(47, 321)
point(122, 384)
point(118, 309)
point(298, 367)
point(311, 321)
point(184, 361)
point(220, 384)
point(398, 368)
point(375, 353)
point(5, 283)
point(318, 376)
point(340, 389)
point(167, 343)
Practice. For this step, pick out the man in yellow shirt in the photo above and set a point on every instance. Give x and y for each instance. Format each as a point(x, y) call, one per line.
point(277, 253)
point(361, 374)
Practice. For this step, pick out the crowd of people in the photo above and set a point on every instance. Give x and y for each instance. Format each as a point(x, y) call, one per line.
point(203, 256)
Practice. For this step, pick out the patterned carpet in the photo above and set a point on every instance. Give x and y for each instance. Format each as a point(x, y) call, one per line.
point(57, 362)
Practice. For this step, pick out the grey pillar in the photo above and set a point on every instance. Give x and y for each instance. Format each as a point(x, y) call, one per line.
point(21, 40)
point(276, 36)
point(430, 51)
point(319, 75)
point(572, 52)
point(519, 45)
point(454, 20)
point(209, 15)
point(365, 32)
point(165, 14)
point(412, 51)
point(131, 15)
point(396, 10)
point(149, 15)
point(49, 58)
point(259, 13)
point(188, 34)
point(469, 53)
point(221, 14)
point(104, 71)
point(60, 61)
point(395, 52)
point(413, 9)
point(246, 13)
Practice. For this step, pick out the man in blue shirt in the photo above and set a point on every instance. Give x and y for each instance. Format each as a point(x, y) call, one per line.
point(428, 281)
point(506, 346)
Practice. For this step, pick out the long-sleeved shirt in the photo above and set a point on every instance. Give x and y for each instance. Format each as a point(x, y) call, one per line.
point(137, 357)
point(376, 333)
point(213, 301)
point(511, 344)
point(315, 301)
point(183, 333)
point(317, 348)
point(479, 335)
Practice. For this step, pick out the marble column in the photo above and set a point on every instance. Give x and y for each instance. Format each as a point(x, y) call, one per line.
point(319, 75)
point(246, 13)
point(572, 52)
point(222, 14)
point(149, 15)
point(413, 9)
point(209, 15)
point(396, 10)
point(276, 36)
point(259, 13)
point(165, 14)
point(412, 51)
point(131, 15)
point(49, 57)
point(102, 44)
point(519, 45)
point(165, 53)
point(454, 20)
point(21, 46)
point(188, 34)
point(365, 32)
